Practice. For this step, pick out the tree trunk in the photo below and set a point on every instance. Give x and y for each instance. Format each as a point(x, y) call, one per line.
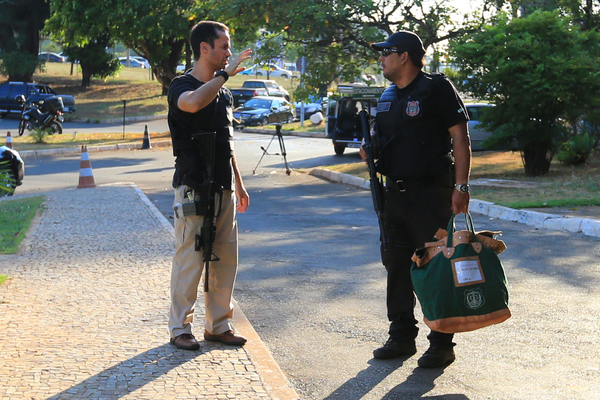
point(536, 158)
point(86, 80)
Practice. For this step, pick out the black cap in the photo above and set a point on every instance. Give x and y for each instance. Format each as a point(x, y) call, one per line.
point(404, 40)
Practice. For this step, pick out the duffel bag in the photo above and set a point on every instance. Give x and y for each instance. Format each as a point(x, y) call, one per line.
point(460, 281)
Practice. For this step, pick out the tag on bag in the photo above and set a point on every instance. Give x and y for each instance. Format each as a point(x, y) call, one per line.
point(459, 280)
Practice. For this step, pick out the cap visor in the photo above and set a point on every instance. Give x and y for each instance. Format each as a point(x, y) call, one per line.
point(381, 46)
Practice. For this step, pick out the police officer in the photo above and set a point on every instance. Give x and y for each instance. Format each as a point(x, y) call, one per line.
point(198, 102)
point(425, 155)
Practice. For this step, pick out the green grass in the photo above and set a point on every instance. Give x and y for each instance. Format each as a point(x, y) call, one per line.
point(15, 217)
point(3, 278)
point(295, 127)
point(564, 186)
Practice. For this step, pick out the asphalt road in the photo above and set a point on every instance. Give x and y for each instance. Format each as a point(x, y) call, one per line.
point(311, 283)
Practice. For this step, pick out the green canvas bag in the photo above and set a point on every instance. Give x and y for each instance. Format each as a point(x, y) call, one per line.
point(459, 279)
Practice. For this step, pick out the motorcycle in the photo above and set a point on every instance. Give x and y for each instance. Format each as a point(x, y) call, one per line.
point(48, 115)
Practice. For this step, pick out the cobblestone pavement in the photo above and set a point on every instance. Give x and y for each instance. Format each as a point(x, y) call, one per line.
point(85, 313)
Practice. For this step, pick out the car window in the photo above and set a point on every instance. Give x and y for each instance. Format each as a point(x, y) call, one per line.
point(41, 89)
point(252, 84)
point(258, 103)
point(272, 85)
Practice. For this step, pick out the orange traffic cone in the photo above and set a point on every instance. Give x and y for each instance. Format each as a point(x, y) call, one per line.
point(9, 141)
point(86, 177)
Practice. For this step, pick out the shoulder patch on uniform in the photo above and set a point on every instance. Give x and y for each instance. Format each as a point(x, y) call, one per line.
point(384, 106)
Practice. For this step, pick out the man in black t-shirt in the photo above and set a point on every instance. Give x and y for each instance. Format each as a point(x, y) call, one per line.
point(198, 102)
point(425, 154)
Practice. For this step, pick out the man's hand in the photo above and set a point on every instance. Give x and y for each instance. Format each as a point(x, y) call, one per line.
point(233, 68)
point(460, 202)
point(243, 200)
point(363, 154)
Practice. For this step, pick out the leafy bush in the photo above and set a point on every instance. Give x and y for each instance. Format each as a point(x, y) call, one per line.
point(577, 150)
point(39, 135)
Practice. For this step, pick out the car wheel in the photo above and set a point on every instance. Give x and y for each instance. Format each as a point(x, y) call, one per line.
point(22, 124)
point(265, 121)
point(8, 183)
point(339, 148)
point(55, 128)
point(284, 76)
point(259, 74)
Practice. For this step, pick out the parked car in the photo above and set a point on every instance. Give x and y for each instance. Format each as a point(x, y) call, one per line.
point(272, 87)
point(52, 57)
point(12, 170)
point(34, 93)
point(314, 106)
point(242, 95)
point(272, 70)
point(133, 63)
point(141, 60)
point(263, 110)
point(478, 135)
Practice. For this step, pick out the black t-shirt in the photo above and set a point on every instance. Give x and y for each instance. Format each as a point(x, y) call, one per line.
point(189, 161)
point(443, 98)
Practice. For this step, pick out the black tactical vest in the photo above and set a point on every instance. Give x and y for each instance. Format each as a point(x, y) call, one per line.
point(216, 117)
point(412, 139)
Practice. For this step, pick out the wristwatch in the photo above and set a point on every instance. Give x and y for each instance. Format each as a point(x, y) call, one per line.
point(222, 73)
point(462, 187)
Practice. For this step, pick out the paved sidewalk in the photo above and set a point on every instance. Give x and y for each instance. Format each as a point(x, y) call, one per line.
point(84, 315)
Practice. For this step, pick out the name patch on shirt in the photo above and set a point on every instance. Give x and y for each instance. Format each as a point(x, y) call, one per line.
point(384, 106)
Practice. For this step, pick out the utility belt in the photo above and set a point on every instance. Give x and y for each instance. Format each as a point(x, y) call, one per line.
point(402, 185)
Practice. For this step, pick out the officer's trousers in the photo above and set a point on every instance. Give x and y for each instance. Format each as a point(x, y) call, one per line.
point(412, 216)
point(188, 266)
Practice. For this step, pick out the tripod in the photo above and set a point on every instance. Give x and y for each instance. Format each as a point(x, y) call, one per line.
point(281, 148)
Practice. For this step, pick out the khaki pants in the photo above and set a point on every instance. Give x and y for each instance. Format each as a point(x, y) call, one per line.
point(188, 266)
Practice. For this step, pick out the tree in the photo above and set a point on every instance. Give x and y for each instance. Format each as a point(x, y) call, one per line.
point(335, 35)
point(155, 29)
point(20, 24)
point(77, 25)
point(538, 70)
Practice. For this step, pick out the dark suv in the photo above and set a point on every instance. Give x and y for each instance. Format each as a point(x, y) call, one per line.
point(34, 93)
point(343, 122)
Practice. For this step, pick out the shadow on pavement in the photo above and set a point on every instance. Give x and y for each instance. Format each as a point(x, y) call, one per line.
point(420, 382)
point(130, 375)
point(357, 387)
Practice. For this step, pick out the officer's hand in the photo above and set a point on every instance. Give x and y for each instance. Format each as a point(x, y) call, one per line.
point(234, 65)
point(243, 200)
point(460, 202)
point(363, 154)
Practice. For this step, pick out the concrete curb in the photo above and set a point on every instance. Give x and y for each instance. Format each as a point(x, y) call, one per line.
point(587, 226)
point(273, 379)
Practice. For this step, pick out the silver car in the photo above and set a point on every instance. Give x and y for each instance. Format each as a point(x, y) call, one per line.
point(478, 135)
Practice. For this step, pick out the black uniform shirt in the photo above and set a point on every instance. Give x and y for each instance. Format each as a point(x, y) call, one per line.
point(188, 162)
point(443, 98)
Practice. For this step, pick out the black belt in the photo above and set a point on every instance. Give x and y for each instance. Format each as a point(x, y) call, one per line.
point(402, 185)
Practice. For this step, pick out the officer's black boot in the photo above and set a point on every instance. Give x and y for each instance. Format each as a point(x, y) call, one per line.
point(394, 348)
point(440, 352)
